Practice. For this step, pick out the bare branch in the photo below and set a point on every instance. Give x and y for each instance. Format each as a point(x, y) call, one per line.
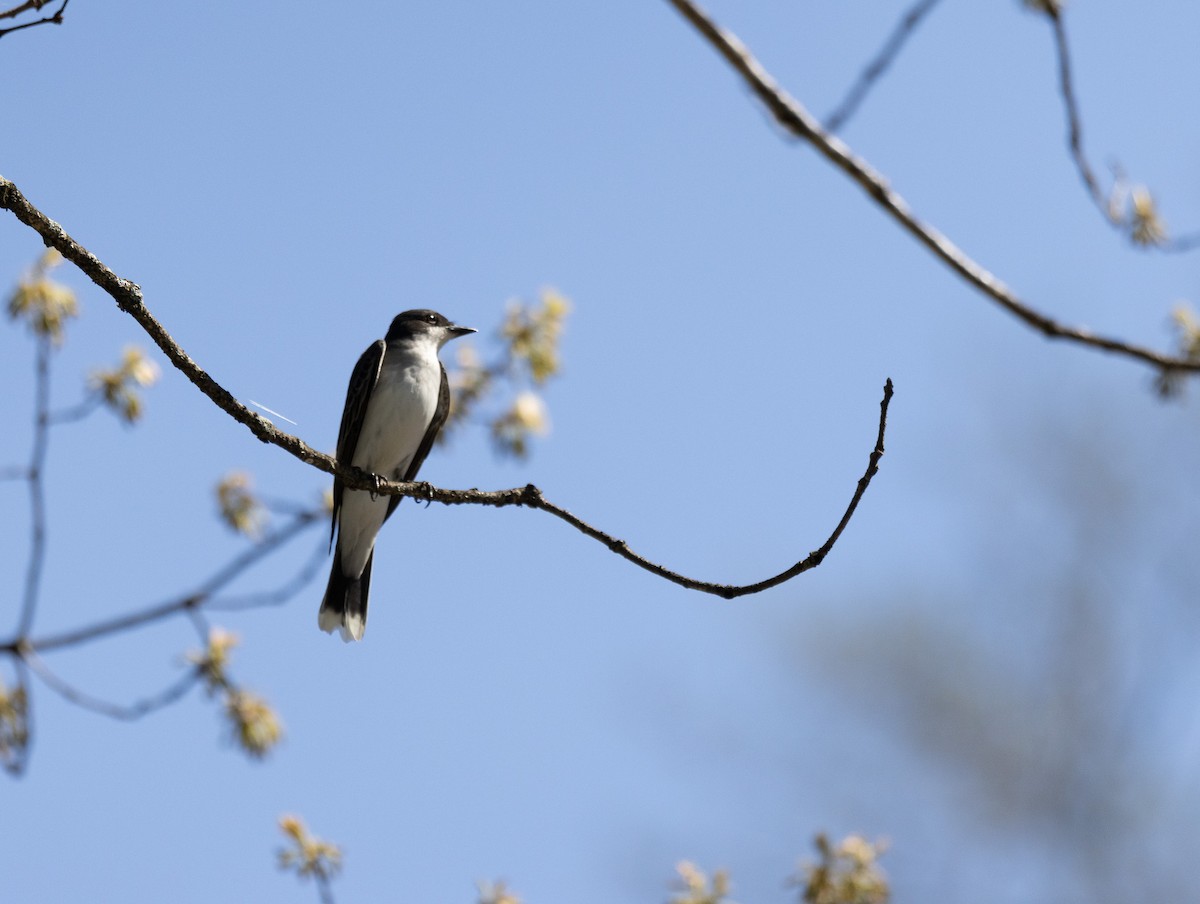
point(1066, 88)
point(879, 64)
point(37, 493)
point(189, 603)
point(796, 119)
point(324, 889)
point(281, 594)
point(128, 296)
point(22, 8)
point(812, 560)
point(55, 18)
point(129, 299)
point(15, 707)
point(77, 412)
point(125, 713)
point(1071, 108)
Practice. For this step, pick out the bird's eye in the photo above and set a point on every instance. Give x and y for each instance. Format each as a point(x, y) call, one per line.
point(431, 318)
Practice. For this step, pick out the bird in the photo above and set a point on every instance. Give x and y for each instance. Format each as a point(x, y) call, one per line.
point(396, 403)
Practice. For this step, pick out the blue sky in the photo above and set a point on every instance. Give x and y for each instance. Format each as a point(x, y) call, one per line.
point(282, 180)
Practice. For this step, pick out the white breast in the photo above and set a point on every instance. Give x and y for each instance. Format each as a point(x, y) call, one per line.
point(401, 409)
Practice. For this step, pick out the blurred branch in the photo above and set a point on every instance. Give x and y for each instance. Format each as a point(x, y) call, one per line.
point(77, 412)
point(126, 713)
point(1141, 223)
point(128, 297)
point(879, 64)
point(795, 118)
point(254, 726)
point(1071, 108)
point(280, 595)
point(55, 18)
point(195, 600)
point(37, 493)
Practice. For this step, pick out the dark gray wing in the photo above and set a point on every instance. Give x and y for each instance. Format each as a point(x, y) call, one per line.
point(439, 417)
point(362, 384)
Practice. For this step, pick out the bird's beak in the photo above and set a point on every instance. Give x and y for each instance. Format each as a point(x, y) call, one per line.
point(456, 331)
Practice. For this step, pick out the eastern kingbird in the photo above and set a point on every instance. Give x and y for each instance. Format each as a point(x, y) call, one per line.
point(397, 402)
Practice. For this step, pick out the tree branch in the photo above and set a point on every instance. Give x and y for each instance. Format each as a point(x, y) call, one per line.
point(1071, 109)
point(190, 602)
point(794, 117)
point(125, 713)
point(128, 297)
point(55, 18)
point(279, 595)
point(37, 493)
point(879, 64)
point(21, 8)
point(1087, 175)
point(728, 591)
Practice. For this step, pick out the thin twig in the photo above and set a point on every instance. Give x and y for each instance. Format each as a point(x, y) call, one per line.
point(793, 116)
point(728, 591)
point(128, 297)
point(16, 765)
point(270, 542)
point(77, 412)
point(125, 713)
point(878, 65)
point(37, 492)
point(324, 887)
point(1071, 108)
point(187, 603)
point(1087, 175)
point(280, 595)
point(54, 19)
point(280, 506)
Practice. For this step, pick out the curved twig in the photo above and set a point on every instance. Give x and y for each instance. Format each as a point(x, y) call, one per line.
point(128, 297)
point(125, 713)
point(730, 591)
point(795, 118)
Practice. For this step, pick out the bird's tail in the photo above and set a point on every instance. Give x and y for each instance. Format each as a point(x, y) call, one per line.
point(345, 603)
